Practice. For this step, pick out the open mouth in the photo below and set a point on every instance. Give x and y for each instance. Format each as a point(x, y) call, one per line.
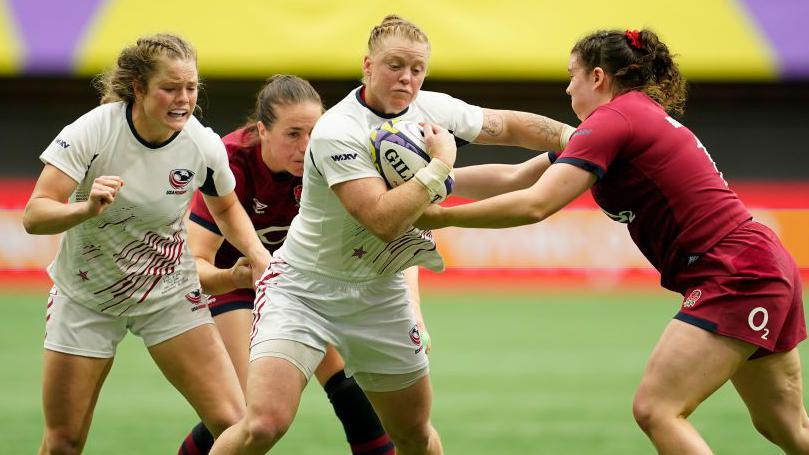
point(178, 113)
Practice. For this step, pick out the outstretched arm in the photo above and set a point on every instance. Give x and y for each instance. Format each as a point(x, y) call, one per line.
point(557, 187)
point(487, 180)
point(523, 129)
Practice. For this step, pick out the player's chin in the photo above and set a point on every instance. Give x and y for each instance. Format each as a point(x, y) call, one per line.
point(296, 169)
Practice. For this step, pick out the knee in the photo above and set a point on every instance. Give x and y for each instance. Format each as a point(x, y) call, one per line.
point(643, 412)
point(61, 443)
point(651, 412)
point(263, 431)
point(415, 439)
point(224, 419)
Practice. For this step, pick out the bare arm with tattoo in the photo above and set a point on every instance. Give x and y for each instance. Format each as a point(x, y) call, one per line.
point(522, 129)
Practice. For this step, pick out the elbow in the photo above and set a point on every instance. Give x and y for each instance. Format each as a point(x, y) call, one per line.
point(385, 234)
point(28, 224)
point(538, 213)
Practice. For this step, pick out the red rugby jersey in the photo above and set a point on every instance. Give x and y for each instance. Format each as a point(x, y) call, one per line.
point(270, 199)
point(657, 177)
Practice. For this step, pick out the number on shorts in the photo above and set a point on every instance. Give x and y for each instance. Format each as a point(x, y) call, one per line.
point(762, 326)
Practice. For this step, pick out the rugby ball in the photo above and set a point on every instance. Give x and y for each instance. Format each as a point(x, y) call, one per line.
point(398, 151)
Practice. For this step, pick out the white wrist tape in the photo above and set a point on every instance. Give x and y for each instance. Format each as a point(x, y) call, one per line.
point(567, 131)
point(433, 176)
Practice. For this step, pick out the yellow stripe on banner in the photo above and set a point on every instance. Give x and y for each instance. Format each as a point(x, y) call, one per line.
point(473, 39)
point(10, 48)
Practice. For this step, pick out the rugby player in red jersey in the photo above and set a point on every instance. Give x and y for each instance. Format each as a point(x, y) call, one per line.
point(742, 312)
point(266, 157)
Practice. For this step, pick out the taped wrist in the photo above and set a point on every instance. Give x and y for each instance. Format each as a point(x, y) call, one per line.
point(567, 131)
point(432, 177)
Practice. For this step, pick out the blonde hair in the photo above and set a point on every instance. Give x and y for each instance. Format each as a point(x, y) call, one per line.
point(138, 63)
point(393, 25)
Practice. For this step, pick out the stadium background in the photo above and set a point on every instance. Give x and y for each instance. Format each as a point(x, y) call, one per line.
point(541, 332)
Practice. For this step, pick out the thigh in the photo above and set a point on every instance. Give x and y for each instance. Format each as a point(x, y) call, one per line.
point(772, 388)
point(197, 364)
point(331, 364)
point(70, 389)
point(403, 410)
point(688, 364)
point(234, 328)
point(274, 388)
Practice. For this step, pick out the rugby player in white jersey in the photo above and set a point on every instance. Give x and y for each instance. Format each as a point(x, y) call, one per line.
point(338, 278)
point(118, 182)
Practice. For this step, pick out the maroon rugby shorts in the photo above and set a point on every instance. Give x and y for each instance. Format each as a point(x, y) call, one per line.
point(747, 287)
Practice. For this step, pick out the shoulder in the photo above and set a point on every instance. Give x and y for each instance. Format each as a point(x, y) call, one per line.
point(102, 117)
point(206, 140)
point(341, 122)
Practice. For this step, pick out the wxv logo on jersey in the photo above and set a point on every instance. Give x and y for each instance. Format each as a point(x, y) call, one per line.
point(179, 179)
point(62, 143)
point(344, 157)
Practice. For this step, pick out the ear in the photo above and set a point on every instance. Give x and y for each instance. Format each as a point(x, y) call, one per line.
point(366, 66)
point(138, 90)
point(262, 130)
point(599, 77)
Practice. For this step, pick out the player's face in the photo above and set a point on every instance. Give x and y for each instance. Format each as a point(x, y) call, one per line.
point(168, 101)
point(581, 89)
point(283, 144)
point(394, 74)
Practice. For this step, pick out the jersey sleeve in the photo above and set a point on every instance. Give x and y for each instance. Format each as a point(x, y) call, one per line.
point(340, 157)
point(597, 142)
point(219, 179)
point(75, 147)
point(462, 119)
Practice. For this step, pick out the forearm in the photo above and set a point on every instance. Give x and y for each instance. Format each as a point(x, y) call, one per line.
point(523, 129)
point(488, 180)
point(214, 281)
point(508, 210)
point(44, 216)
point(396, 210)
point(238, 230)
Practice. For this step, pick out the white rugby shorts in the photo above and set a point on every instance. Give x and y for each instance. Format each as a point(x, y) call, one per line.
point(371, 324)
point(72, 328)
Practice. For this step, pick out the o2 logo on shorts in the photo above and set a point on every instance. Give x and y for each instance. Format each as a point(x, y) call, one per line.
point(757, 320)
point(415, 337)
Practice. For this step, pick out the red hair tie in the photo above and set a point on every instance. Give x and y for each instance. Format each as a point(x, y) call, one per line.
point(634, 38)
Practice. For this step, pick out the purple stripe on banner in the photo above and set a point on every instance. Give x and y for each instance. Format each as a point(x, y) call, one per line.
point(51, 29)
point(786, 24)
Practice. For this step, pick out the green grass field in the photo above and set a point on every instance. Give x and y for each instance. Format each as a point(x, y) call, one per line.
point(513, 373)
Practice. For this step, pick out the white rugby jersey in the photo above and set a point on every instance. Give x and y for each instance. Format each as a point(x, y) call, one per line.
point(133, 258)
point(324, 238)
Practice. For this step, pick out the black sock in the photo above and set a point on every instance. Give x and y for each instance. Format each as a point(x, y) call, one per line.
point(361, 425)
point(198, 442)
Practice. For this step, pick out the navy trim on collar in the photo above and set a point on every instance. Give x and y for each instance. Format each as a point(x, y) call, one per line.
point(143, 141)
point(359, 96)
